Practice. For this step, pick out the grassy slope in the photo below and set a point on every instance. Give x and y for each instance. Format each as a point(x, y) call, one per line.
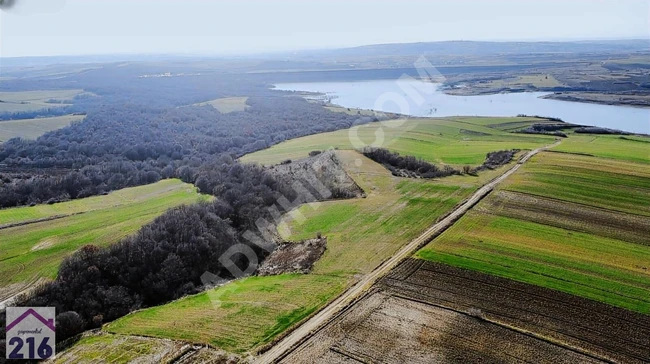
point(539, 80)
point(361, 234)
point(122, 197)
point(112, 349)
point(615, 185)
point(439, 140)
point(33, 128)
point(238, 316)
point(34, 100)
point(36, 250)
point(608, 146)
point(581, 262)
point(109, 349)
point(228, 104)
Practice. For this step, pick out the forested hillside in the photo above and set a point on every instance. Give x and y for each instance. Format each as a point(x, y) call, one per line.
point(127, 142)
point(117, 147)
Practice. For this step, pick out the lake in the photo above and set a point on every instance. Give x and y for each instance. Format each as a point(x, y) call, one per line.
point(388, 96)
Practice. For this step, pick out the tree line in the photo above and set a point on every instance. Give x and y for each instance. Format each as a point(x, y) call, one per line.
point(118, 147)
point(165, 259)
point(407, 166)
point(138, 131)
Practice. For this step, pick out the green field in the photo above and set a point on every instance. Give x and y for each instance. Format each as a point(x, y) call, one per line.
point(361, 234)
point(455, 141)
point(35, 100)
point(573, 223)
point(33, 128)
point(609, 184)
point(629, 148)
point(112, 349)
point(239, 316)
point(505, 234)
point(522, 81)
point(109, 349)
point(228, 104)
point(35, 250)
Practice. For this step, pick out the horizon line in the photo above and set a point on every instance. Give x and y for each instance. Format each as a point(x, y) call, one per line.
point(306, 49)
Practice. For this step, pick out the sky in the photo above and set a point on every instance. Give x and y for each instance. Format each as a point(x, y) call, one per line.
point(225, 27)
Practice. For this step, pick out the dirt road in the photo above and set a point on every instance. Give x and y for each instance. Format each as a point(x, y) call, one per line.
point(284, 346)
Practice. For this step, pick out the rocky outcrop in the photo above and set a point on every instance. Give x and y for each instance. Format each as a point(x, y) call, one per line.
point(292, 257)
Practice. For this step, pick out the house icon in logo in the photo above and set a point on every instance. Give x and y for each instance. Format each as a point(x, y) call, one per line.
point(31, 332)
point(49, 323)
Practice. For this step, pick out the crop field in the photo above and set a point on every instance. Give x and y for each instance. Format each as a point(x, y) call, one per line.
point(521, 81)
point(572, 223)
point(107, 348)
point(455, 141)
point(509, 124)
point(238, 316)
point(361, 234)
point(628, 148)
point(33, 128)
point(615, 185)
point(50, 233)
point(241, 318)
point(101, 347)
point(35, 100)
point(475, 85)
point(425, 312)
point(228, 104)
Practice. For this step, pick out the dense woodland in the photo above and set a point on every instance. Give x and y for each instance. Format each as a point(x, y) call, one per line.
point(166, 259)
point(117, 147)
point(134, 143)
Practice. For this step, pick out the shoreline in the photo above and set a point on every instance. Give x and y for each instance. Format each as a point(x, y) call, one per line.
point(572, 98)
point(569, 96)
point(331, 99)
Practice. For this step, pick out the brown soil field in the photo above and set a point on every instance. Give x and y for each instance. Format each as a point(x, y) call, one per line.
point(425, 312)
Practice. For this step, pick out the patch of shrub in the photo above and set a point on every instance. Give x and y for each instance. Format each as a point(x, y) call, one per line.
point(599, 130)
point(547, 129)
point(407, 166)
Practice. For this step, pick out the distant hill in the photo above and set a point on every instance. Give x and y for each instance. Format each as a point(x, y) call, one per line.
point(486, 48)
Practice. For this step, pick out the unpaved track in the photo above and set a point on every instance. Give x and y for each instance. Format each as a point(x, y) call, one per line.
point(10, 296)
point(284, 346)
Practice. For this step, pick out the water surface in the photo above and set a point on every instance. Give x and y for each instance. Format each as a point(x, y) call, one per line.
point(389, 96)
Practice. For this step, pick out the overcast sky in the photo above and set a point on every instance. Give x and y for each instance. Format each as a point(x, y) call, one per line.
point(73, 27)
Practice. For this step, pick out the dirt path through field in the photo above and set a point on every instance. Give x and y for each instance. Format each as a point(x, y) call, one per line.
point(9, 293)
point(288, 343)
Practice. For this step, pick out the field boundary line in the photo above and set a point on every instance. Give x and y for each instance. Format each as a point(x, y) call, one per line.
point(399, 291)
point(293, 339)
point(532, 294)
point(44, 219)
point(559, 200)
point(29, 286)
point(348, 355)
point(561, 279)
